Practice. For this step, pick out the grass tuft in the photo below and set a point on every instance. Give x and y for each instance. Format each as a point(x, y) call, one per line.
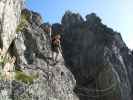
point(23, 77)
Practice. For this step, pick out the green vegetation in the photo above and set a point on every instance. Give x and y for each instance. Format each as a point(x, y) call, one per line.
point(1, 60)
point(19, 75)
point(23, 77)
point(23, 22)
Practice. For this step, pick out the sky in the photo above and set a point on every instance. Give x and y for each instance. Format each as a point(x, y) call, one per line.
point(117, 14)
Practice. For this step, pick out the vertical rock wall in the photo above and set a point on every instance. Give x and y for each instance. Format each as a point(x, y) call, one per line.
point(9, 18)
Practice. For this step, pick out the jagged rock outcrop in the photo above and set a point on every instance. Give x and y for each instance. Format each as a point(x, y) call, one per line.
point(33, 51)
point(98, 58)
point(10, 11)
point(36, 77)
point(95, 65)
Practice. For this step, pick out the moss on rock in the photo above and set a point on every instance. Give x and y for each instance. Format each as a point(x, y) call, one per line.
point(23, 21)
point(23, 77)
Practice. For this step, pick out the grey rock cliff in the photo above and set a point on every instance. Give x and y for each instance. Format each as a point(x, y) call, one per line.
point(98, 58)
point(36, 75)
point(9, 19)
point(33, 51)
point(10, 11)
point(95, 65)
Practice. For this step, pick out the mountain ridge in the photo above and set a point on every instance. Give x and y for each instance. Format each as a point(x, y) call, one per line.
point(96, 63)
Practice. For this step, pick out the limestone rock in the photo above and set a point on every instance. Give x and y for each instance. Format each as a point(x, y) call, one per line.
point(9, 19)
point(95, 63)
point(98, 58)
point(33, 51)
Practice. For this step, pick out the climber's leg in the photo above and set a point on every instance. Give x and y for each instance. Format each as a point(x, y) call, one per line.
point(56, 57)
point(52, 55)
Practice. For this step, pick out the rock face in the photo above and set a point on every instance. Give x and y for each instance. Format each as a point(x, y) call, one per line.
point(9, 18)
point(98, 58)
point(95, 64)
point(10, 11)
point(33, 51)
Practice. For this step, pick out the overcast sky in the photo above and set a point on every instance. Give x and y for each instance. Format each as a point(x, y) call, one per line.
point(117, 14)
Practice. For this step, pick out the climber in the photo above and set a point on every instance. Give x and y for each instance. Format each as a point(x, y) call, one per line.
point(57, 29)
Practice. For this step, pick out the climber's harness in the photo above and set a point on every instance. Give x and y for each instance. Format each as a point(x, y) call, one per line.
point(54, 39)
